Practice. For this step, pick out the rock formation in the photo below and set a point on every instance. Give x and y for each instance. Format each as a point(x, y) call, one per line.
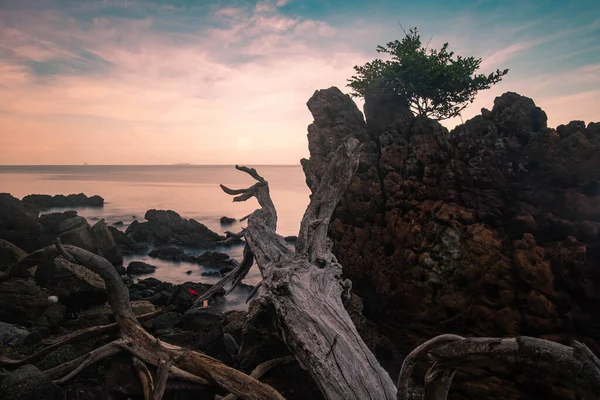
point(491, 229)
point(72, 200)
point(167, 227)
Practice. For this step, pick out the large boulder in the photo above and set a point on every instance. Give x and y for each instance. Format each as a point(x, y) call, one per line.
point(105, 243)
point(11, 335)
point(125, 244)
point(168, 227)
point(22, 301)
point(75, 230)
point(18, 223)
point(76, 286)
point(42, 201)
point(489, 230)
point(9, 255)
point(140, 268)
point(210, 259)
point(27, 383)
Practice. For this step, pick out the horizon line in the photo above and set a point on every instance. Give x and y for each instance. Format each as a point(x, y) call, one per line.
point(147, 165)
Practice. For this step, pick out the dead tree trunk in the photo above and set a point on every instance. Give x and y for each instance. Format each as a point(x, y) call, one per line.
point(306, 288)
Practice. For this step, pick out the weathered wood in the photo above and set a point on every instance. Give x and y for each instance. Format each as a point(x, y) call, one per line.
point(447, 354)
point(306, 288)
point(77, 336)
point(136, 341)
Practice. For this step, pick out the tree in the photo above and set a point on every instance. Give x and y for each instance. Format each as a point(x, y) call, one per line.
point(432, 82)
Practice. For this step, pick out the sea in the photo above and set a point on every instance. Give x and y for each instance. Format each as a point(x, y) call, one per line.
point(191, 190)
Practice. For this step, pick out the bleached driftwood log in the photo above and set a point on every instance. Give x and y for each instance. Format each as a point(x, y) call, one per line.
point(575, 365)
point(307, 292)
point(306, 289)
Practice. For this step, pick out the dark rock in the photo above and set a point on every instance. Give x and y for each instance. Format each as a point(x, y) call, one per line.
point(36, 334)
point(73, 200)
point(105, 243)
point(200, 329)
point(211, 273)
point(234, 323)
point(172, 253)
point(291, 239)
point(166, 321)
point(211, 259)
point(140, 268)
point(27, 383)
point(227, 220)
point(167, 227)
point(11, 335)
point(200, 318)
point(76, 286)
point(186, 294)
point(188, 272)
point(65, 353)
point(125, 244)
point(18, 223)
point(9, 255)
point(225, 270)
point(153, 282)
point(53, 316)
point(261, 341)
point(75, 230)
point(121, 270)
point(470, 232)
point(22, 301)
point(118, 223)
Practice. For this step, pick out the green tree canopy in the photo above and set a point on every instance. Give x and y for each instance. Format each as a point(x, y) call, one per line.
point(433, 83)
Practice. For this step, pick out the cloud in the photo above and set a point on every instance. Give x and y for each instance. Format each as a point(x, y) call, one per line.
point(148, 84)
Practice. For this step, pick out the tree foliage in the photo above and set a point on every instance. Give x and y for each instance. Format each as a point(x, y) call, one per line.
point(433, 82)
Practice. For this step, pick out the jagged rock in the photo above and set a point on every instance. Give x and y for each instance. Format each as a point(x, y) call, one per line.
point(291, 239)
point(75, 230)
point(488, 230)
point(200, 329)
point(166, 321)
point(27, 383)
point(105, 243)
point(167, 227)
point(22, 301)
point(172, 253)
point(125, 244)
point(73, 200)
point(211, 259)
point(76, 286)
point(227, 220)
point(18, 223)
point(118, 223)
point(11, 335)
point(9, 255)
point(140, 268)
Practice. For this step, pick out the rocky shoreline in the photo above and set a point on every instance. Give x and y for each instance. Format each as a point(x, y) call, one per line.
point(489, 230)
point(57, 297)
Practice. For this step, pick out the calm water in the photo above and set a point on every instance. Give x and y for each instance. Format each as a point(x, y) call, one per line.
point(192, 191)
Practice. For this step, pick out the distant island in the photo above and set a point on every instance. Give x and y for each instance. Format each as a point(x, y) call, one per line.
point(183, 163)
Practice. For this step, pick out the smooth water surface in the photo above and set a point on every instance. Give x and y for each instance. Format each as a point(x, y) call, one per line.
point(192, 191)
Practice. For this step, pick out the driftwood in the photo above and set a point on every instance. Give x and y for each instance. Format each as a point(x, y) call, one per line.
point(306, 290)
point(145, 349)
point(446, 354)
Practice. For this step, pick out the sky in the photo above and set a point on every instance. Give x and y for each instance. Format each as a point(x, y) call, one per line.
point(225, 82)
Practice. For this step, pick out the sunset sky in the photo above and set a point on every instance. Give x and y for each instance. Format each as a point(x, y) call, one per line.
point(222, 82)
